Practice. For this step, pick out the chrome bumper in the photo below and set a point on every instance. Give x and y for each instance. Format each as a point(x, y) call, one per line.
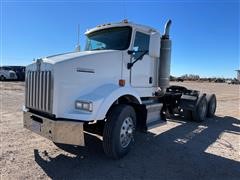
point(66, 132)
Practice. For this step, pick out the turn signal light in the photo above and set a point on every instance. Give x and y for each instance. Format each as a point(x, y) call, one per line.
point(121, 82)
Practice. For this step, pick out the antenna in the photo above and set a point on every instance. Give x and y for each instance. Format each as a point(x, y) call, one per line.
point(78, 48)
point(124, 10)
point(78, 33)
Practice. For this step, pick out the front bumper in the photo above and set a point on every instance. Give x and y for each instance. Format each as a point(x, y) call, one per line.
point(59, 131)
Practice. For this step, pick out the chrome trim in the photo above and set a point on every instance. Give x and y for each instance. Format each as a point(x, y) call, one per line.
point(86, 70)
point(44, 92)
point(50, 91)
point(66, 132)
point(31, 89)
point(40, 87)
point(47, 90)
point(39, 90)
point(26, 90)
point(34, 89)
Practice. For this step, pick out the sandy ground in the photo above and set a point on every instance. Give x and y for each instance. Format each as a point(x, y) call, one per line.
point(178, 150)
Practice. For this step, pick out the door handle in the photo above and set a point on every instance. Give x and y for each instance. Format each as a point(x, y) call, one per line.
point(150, 80)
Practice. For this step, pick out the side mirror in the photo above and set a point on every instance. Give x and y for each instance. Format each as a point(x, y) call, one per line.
point(154, 46)
point(130, 52)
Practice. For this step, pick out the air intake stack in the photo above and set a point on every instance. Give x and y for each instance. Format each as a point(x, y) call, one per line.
point(165, 59)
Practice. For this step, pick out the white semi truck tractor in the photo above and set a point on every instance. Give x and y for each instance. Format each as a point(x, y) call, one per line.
point(119, 82)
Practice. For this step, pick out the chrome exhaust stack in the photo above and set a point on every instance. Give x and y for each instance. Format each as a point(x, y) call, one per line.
point(167, 29)
point(165, 59)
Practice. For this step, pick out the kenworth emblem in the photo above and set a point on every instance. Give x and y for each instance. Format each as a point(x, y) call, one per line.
point(38, 63)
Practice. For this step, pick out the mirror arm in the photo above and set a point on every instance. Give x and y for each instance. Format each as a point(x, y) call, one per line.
point(130, 65)
point(130, 52)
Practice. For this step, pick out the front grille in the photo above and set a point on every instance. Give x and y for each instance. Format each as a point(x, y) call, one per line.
point(39, 90)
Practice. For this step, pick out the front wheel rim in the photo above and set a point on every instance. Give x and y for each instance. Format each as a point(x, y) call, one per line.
point(126, 132)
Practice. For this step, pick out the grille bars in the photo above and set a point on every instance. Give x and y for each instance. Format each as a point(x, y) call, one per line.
point(38, 90)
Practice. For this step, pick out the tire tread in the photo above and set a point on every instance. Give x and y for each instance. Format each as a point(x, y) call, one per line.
point(108, 133)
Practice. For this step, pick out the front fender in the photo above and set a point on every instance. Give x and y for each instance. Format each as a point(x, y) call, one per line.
point(112, 96)
point(103, 97)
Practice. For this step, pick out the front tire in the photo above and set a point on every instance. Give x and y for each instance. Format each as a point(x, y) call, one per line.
point(119, 130)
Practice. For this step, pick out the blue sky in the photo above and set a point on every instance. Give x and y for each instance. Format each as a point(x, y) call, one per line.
point(205, 34)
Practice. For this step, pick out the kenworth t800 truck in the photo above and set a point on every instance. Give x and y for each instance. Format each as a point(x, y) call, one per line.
point(120, 80)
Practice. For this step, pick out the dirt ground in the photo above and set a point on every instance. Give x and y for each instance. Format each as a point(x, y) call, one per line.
point(178, 150)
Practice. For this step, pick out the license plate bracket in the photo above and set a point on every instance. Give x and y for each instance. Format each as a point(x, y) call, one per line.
point(36, 126)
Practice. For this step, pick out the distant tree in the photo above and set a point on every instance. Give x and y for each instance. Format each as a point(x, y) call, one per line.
point(190, 77)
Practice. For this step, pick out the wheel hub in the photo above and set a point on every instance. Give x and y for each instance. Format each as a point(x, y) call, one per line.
point(126, 133)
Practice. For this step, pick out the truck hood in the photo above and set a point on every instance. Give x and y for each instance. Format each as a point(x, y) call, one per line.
point(73, 55)
point(75, 59)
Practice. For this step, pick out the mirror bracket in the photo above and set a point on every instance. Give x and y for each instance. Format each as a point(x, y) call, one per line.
point(130, 65)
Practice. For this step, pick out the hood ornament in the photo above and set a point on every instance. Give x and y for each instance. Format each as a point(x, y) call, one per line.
point(38, 64)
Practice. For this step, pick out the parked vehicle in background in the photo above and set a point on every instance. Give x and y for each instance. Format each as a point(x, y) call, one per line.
point(219, 80)
point(7, 73)
point(172, 78)
point(180, 79)
point(234, 81)
point(20, 72)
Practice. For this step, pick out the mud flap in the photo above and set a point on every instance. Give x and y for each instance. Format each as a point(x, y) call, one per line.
point(188, 102)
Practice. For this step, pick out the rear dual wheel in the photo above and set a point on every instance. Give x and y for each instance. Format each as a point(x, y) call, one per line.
point(200, 112)
point(206, 107)
point(212, 105)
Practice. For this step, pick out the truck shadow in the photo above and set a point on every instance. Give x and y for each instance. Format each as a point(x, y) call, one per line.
point(178, 153)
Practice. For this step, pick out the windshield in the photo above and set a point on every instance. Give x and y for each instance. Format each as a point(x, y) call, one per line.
point(117, 38)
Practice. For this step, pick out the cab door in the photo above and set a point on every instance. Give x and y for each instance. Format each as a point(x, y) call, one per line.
point(142, 71)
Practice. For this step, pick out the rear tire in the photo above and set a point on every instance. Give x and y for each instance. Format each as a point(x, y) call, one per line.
point(200, 112)
point(211, 105)
point(119, 130)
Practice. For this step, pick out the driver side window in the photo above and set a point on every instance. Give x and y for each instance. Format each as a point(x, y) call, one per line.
point(141, 43)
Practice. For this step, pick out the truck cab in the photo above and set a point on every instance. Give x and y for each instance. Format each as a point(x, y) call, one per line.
point(121, 79)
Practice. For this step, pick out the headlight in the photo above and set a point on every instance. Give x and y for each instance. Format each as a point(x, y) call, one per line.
point(84, 105)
